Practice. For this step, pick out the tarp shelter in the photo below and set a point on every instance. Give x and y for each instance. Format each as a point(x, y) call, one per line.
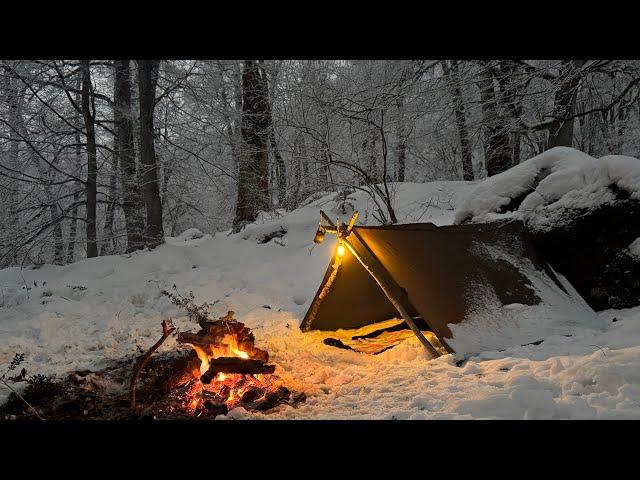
point(476, 286)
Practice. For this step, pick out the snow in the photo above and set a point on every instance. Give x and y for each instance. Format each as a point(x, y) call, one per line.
point(81, 315)
point(492, 326)
point(187, 235)
point(568, 178)
point(634, 249)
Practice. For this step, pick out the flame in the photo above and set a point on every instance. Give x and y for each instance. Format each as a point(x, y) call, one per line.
point(204, 359)
point(240, 353)
point(237, 384)
point(228, 347)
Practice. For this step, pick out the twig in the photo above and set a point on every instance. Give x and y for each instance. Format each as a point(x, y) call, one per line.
point(167, 329)
point(599, 347)
point(21, 398)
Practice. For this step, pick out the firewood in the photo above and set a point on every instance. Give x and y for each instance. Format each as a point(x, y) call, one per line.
point(235, 365)
point(273, 399)
point(209, 338)
point(252, 394)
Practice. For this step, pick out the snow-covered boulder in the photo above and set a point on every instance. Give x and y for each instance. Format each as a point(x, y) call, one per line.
point(583, 214)
point(190, 234)
point(191, 237)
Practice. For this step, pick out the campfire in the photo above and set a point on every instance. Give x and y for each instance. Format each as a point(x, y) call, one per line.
point(215, 370)
point(225, 370)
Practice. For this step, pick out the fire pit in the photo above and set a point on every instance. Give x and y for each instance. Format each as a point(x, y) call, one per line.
point(219, 369)
point(225, 371)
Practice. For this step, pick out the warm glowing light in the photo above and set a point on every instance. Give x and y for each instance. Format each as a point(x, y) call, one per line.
point(340, 250)
point(240, 353)
point(204, 359)
point(221, 377)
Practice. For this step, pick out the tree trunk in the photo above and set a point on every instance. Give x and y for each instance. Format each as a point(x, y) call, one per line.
point(369, 150)
point(402, 145)
point(108, 241)
point(147, 81)
point(132, 202)
point(497, 148)
point(294, 194)
point(511, 93)
point(561, 130)
point(92, 164)
point(253, 179)
point(55, 216)
point(73, 227)
point(15, 100)
point(401, 134)
point(280, 168)
point(455, 90)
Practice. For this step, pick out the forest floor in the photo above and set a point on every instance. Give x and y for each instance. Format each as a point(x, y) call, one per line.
point(91, 313)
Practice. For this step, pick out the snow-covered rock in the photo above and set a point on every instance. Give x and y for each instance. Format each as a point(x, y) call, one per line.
point(582, 213)
point(540, 189)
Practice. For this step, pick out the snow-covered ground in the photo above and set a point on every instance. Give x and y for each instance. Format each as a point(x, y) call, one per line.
point(80, 315)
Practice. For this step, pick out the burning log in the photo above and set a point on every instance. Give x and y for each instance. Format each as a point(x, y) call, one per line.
point(235, 365)
point(225, 337)
point(228, 372)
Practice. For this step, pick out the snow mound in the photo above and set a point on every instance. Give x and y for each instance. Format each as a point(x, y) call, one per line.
point(190, 234)
point(548, 184)
point(190, 237)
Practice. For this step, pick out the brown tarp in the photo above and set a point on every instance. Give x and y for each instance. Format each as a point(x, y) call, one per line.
point(439, 268)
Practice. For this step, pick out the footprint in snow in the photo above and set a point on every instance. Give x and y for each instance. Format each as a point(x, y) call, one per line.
point(299, 299)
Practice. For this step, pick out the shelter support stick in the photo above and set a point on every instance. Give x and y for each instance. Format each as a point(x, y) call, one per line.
point(378, 277)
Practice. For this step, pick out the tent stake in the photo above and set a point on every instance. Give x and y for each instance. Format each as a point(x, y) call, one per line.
point(394, 301)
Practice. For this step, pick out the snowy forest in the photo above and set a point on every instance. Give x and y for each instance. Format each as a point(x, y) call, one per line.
point(101, 157)
point(319, 239)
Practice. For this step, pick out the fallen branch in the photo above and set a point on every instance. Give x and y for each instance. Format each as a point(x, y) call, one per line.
point(21, 398)
point(167, 329)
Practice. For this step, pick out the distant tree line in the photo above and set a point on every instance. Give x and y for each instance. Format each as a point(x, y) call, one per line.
point(103, 157)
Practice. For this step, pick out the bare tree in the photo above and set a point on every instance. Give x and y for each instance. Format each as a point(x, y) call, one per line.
point(88, 113)
point(496, 137)
point(147, 82)
point(450, 68)
point(253, 186)
point(561, 130)
point(132, 203)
